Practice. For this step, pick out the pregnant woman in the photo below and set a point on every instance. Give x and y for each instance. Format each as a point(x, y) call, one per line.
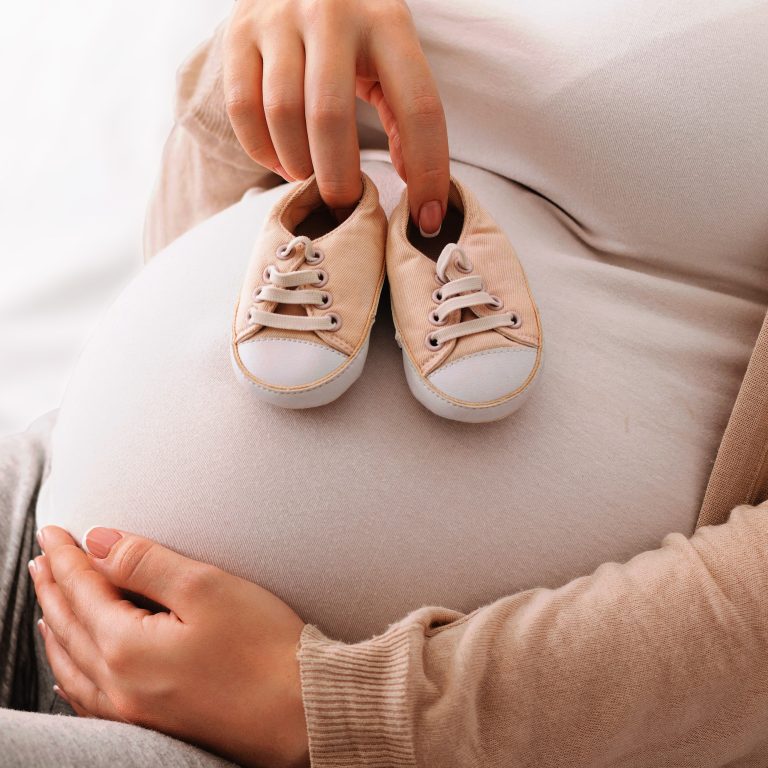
point(366, 583)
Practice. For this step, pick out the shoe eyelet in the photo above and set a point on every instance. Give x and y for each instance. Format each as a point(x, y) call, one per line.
point(335, 322)
point(322, 277)
point(283, 252)
point(251, 321)
point(437, 296)
point(432, 343)
point(516, 320)
point(457, 264)
point(327, 301)
point(497, 303)
point(316, 258)
point(257, 293)
point(435, 320)
point(266, 275)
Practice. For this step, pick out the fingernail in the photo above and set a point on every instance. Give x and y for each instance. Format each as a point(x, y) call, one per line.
point(39, 537)
point(430, 219)
point(278, 169)
point(42, 627)
point(98, 541)
point(32, 565)
point(61, 693)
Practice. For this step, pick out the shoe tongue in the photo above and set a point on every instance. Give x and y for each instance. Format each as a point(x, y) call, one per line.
point(301, 207)
point(317, 223)
point(309, 215)
point(432, 247)
point(291, 309)
point(296, 262)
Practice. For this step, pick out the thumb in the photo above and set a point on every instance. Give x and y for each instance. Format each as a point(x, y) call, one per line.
point(147, 568)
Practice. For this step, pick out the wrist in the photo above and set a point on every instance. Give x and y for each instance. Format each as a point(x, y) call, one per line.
point(296, 739)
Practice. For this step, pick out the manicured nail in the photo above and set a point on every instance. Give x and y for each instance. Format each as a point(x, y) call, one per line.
point(32, 565)
point(280, 171)
point(98, 541)
point(61, 693)
point(40, 541)
point(430, 219)
point(42, 627)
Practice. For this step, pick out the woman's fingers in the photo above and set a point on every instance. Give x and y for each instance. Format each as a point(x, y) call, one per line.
point(63, 625)
point(330, 111)
point(186, 587)
point(79, 710)
point(283, 95)
point(372, 93)
point(84, 696)
point(291, 77)
point(68, 587)
point(244, 99)
point(75, 687)
point(411, 93)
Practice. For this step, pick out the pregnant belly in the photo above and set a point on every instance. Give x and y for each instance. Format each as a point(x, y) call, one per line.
point(360, 511)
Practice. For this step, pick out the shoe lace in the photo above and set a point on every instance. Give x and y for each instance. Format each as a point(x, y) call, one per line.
point(463, 293)
point(283, 288)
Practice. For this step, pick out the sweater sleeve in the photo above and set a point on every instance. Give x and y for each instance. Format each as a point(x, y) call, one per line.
point(204, 169)
point(659, 661)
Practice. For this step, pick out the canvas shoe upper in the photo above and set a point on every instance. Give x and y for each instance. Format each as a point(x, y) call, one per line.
point(309, 298)
point(463, 312)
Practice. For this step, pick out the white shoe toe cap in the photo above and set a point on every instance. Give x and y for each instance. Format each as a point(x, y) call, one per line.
point(288, 362)
point(485, 376)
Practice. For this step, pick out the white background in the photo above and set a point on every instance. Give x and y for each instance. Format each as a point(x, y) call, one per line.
point(87, 94)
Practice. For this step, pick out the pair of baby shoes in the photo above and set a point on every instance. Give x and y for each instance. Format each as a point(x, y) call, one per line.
point(463, 312)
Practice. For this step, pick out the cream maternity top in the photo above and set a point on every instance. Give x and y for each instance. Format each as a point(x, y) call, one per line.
point(628, 170)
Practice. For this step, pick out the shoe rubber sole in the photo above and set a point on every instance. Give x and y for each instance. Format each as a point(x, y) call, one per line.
point(312, 396)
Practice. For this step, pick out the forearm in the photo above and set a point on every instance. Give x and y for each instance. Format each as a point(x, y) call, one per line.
point(658, 661)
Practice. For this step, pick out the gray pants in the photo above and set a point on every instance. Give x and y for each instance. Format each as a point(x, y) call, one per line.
point(37, 728)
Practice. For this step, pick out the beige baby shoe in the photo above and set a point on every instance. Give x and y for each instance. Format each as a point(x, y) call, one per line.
point(463, 312)
point(304, 316)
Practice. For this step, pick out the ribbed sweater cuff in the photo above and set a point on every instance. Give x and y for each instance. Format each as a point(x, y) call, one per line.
point(356, 699)
point(201, 108)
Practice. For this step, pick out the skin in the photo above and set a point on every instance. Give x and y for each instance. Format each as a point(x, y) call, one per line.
point(292, 70)
point(217, 669)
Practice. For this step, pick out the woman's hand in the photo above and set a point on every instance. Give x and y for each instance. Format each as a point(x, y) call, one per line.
point(292, 69)
point(219, 670)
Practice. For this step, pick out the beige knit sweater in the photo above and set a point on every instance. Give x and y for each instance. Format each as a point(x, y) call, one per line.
point(660, 661)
